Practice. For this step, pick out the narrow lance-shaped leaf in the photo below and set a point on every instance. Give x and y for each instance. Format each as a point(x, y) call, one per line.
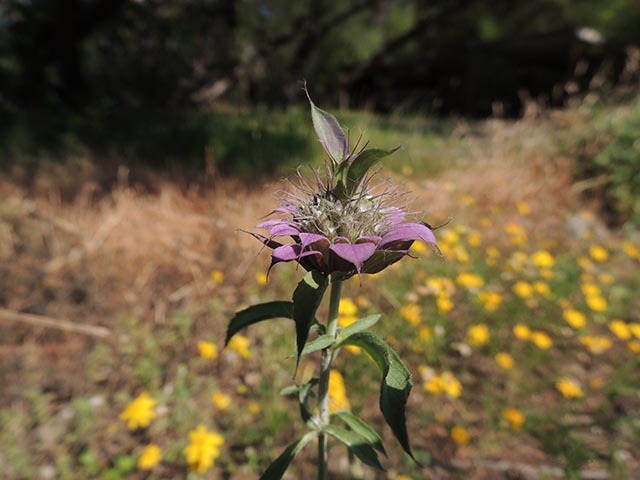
point(279, 466)
point(329, 132)
point(361, 428)
point(358, 326)
point(357, 444)
point(317, 344)
point(306, 300)
point(258, 313)
point(395, 386)
point(359, 166)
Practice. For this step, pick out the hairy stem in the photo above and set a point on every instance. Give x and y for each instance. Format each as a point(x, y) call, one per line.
point(325, 371)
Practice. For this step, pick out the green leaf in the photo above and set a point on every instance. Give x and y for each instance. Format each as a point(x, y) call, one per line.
point(329, 132)
point(279, 466)
point(360, 165)
point(306, 300)
point(358, 326)
point(395, 386)
point(361, 428)
point(303, 396)
point(257, 313)
point(357, 444)
point(319, 343)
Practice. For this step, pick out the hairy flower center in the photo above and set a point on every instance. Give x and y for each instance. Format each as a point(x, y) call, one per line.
point(360, 216)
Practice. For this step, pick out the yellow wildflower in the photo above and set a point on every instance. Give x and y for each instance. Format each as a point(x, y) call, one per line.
point(412, 313)
point(347, 307)
point(337, 392)
point(490, 300)
point(620, 329)
point(505, 360)
point(460, 435)
point(449, 236)
point(467, 199)
point(217, 276)
point(140, 412)
point(492, 252)
point(261, 278)
point(523, 289)
point(149, 457)
point(574, 318)
point(514, 417)
point(598, 253)
point(584, 263)
point(514, 229)
point(542, 288)
point(419, 247)
point(634, 328)
point(208, 350)
point(547, 273)
point(569, 388)
point(425, 334)
point(597, 303)
point(403, 477)
point(352, 349)
point(222, 401)
point(596, 344)
point(542, 259)
point(521, 331)
point(241, 389)
point(541, 340)
point(461, 254)
point(590, 290)
point(523, 207)
point(254, 408)
point(445, 383)
point(470, 280)
point(240, 344)
point(203, 449)
point(444, 304)
point(475, 238)
point(634, 346)
point(606, 278)
point(631, 250)
point(478, 335)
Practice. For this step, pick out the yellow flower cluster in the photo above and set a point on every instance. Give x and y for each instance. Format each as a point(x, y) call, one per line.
point(222, 401)
point(569, 388)
point(347, 311)
point(412, 313)
point(460, 435)
point(149, 457)
point(478, 335)
point(446, 383)
point(140, 412)
point(240, 344)
point(203, 449)
point(539, 338)
point(208, 350)
point(514, 417)
point(491, 301)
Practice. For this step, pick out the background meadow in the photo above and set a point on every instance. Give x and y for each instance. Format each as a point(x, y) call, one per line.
point(134, 147)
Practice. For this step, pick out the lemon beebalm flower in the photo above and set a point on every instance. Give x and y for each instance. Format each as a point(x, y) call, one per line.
point(598, 253)
point(574, 318)
point(620, 329)
point(514, 417)
point(240, 344)
point(149, 457)
point(208, 350)
point(478, 335)
point(521, 332)
point(203, 449)
point(505, 360)
point(222, 401)
point(460, 435)
point(597, 303)
point(569, 388)
point(542, 259)
point(140, 412)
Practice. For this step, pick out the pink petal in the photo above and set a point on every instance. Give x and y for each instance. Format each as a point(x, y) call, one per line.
point(409, 232)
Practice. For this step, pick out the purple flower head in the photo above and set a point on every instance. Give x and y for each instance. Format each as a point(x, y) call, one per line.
point(342, 226)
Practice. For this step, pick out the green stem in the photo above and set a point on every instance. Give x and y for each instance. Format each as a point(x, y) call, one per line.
point(325, 371)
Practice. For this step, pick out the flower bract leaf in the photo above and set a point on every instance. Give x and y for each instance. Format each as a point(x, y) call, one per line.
point(258, 313)
point(395, 386)
point(361, 428)
point(306, 300)
point(358, 326)
point(351, 173)
point(329, 133)
point(279, 466)
point(358, 444)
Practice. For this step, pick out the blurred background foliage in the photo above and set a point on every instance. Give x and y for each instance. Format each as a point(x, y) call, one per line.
point(215, 84)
